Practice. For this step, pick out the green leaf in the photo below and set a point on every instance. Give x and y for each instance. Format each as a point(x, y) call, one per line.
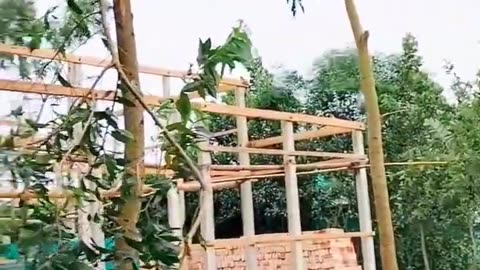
point(124, 101)
point(34, 124)
point(184, 107)
point(135, 266)
point(180, 127)
point(122, 135)
point(35, 42)
point(192, 86)
point(17, 112)
point(80, 266)
point(72, 4)
point(63, 81)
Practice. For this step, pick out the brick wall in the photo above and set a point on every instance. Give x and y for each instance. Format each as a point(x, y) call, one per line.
point(328, 254)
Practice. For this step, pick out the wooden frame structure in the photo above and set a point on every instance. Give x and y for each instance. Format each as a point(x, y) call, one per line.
point(243, 174)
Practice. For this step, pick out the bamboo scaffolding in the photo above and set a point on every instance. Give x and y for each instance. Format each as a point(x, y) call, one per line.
point(233, 182)
point(301, 136)
point(280, 168)
point(57, 90)
point(263, 151)
point(220, 176)
point(315, 165)
point(105, 62)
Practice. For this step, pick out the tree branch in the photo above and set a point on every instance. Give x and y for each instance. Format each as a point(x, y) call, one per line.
point(204, 185)
point(134, 90)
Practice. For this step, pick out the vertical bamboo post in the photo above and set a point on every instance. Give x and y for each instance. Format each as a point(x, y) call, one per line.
point(174, 117)
point(293, 203)
point(248, 218)
point(173, 212)
point(207, 226)
point(89, 230)
point(363, 201)
point(74, 76)
point(96, 208)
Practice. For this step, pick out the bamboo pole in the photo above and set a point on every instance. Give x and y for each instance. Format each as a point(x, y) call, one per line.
point(315, 165)
point(174, 117)
point(291, 190)
point(246, 194)
point(99, 62)
point(262, 151)
point(301, 136)
point(207, 225)
point(375, 147)
point(363, 201)
point(151, 100)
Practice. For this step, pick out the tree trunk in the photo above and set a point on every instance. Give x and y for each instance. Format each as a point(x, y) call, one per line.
point(375, 147)
point(134, 150)
point(426, 262)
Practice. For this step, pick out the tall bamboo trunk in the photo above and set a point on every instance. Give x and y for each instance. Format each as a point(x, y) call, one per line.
point(375, 147)
point(134, 150)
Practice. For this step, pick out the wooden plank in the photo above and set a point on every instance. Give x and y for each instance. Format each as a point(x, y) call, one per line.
point(57, 90)
point(291, 191)
point(305, 135)
point(279, 116)
point(99, 62)
point(264, 151)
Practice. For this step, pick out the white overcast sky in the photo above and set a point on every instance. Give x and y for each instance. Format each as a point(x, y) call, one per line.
point(167, 31)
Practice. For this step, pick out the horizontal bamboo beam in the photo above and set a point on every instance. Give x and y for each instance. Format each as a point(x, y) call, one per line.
point(271, 239)
point(264, 151)
point(60, 194)
point(279, 116)
point(228, 174)
point(305, 135)
point(99, 62)
point(193, 186)
point(57, 90)
point(274, 167)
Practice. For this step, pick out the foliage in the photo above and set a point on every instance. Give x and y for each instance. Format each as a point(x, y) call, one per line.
point(59, 28)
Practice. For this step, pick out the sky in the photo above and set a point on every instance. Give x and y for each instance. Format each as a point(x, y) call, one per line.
point(167, 32)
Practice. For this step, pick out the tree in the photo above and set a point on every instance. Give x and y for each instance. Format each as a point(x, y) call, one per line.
point(134, 125)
